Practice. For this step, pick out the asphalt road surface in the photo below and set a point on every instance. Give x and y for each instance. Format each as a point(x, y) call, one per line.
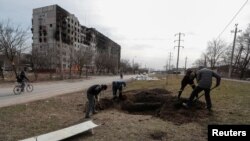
point(45, 90)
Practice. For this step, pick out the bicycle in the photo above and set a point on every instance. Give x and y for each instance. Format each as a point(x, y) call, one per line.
point(18, 88)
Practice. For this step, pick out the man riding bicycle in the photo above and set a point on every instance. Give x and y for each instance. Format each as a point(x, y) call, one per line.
point(21, 79)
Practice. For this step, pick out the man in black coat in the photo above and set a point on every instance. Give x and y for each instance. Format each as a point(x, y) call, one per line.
point(118, 85)
point(92, 95)
point(204, 78)
point(188, 79)
point(21, 79)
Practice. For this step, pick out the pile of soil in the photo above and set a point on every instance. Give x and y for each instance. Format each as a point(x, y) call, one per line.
point(159, 135)
point(104, 103)
point(157, 102)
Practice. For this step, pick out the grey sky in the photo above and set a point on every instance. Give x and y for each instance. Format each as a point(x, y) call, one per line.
point(145, 28)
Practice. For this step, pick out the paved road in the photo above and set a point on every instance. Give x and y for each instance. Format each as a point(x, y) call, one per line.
point(50, 89)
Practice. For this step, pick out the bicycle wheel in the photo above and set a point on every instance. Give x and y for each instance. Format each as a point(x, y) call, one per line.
point(29, 88)
point(17, 90)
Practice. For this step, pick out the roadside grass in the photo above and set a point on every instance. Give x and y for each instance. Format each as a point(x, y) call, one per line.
point(34, 118)
point(230, 105)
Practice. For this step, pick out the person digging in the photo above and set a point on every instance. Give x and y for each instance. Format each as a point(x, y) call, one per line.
point(92, 95)
point(118, 86)
point(188, 79)
point(204, 79)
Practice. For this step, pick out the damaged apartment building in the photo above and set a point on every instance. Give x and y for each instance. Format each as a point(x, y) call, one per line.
point(58, 35)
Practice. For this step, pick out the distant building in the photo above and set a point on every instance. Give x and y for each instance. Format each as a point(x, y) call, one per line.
point(59, 35)
point(106, 45)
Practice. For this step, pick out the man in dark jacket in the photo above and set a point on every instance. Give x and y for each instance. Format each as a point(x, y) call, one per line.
point(204, 79)
point(21, 79)
point(118, 85)
point(92, 95)
point(187, 79)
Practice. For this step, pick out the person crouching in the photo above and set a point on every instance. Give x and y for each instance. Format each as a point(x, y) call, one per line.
point(92, 95)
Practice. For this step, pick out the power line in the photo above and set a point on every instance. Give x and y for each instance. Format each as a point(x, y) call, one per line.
point(232, 19)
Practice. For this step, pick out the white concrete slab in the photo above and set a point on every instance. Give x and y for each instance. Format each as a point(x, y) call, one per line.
point(64, 133)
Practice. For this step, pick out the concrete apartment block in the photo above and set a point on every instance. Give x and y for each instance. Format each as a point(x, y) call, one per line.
point(58, 35)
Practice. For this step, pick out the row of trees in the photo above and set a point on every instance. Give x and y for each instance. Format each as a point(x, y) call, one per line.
point(50, 60)
point(12, 43)
point(128, 67)
point(218, 53)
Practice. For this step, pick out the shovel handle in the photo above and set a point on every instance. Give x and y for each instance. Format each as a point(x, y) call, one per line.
point(213, 88)
point(203, 94)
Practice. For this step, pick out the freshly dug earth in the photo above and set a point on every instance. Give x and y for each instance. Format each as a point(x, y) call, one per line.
point(157, 102)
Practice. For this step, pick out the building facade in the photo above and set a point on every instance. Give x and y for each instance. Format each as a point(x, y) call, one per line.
point(58, 35)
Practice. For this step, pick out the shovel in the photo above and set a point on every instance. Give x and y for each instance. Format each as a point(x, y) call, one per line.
point(203, 94)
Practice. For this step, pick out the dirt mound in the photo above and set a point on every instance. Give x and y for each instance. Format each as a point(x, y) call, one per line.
point(172, 110)
point(159, 91)
point(157, 102)
point(159, 135)
point(104, 103)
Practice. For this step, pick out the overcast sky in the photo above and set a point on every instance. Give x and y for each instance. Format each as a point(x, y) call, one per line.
point(146, 29)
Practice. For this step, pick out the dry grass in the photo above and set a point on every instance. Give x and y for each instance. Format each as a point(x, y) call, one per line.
point(230, 105)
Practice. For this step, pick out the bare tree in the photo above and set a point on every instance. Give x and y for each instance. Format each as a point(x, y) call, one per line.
point(12, 41)
point(51, 59)
point(71, 60)
point(215, 49)
point(1, 69)
point(202, 61)
point(226, 56)
point(84, 58)
point(136, 67)
point(125, 66)
point(38, 61)
point(101, 60)
point(243, 59)
point(111, 64)
point(1, 49)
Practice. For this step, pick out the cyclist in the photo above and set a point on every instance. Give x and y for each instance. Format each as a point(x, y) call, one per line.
point(21, 79)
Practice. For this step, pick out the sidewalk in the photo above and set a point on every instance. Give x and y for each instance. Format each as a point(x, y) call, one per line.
point(236, 80)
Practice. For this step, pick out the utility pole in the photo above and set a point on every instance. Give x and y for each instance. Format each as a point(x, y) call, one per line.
point(232, 54)
point(169, 63)
point(179, 42)
point(186, 63)
point(205, 61)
